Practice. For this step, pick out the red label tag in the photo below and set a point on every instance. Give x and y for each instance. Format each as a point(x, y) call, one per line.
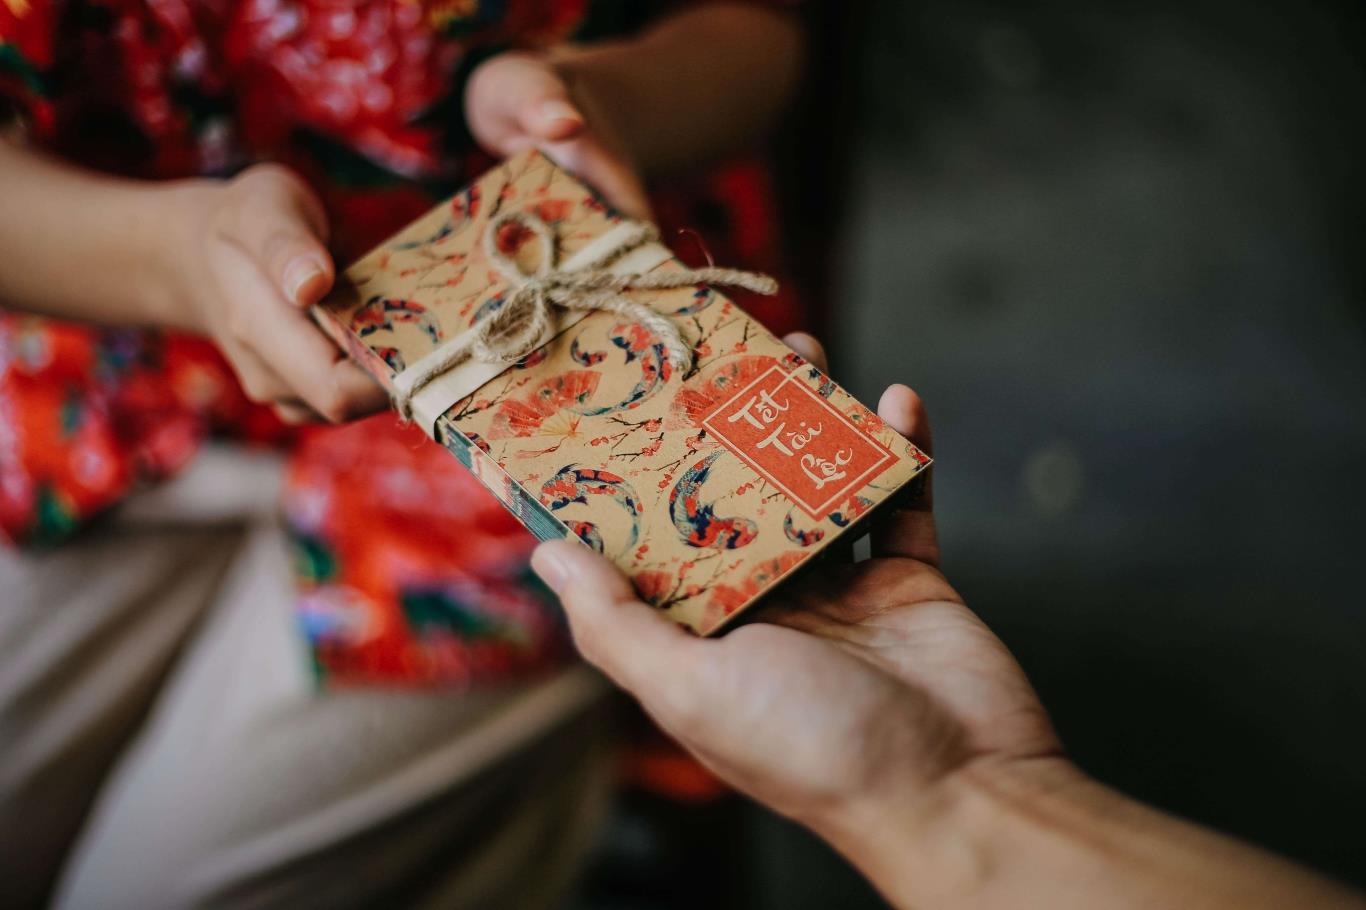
point(797, 441)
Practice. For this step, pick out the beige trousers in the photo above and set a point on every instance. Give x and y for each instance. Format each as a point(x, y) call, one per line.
point(162, 743)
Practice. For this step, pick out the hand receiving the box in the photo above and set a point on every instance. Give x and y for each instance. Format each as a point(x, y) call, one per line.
point(516, 101)
point(254, 259)
point(869, 688)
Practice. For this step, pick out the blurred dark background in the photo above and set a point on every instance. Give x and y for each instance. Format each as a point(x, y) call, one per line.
point(1118, 248)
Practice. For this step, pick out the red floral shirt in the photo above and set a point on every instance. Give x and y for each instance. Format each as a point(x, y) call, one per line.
point(409, 570)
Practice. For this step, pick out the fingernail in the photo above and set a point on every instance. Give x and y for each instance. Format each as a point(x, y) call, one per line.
point(550, 564)
point(560, 110)
point(298, 274)
point(803, 344)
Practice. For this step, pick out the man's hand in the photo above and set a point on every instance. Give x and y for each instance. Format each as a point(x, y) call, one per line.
point(251, 260)
point(874, 707)
point(515, 101)
point(870, 682)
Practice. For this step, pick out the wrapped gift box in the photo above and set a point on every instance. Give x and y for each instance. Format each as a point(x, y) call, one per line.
point(709, 484)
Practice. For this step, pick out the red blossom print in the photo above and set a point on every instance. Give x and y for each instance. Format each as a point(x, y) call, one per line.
point(716, 384)
point(524, 416)
point(354, 97)
point(511, 236)
point(726, 599)
point(553, 211)
point(653, 586)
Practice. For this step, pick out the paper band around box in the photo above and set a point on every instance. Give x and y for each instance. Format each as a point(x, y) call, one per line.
point(548, 302)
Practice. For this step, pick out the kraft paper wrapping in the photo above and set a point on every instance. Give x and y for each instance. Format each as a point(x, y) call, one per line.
point(708, 489)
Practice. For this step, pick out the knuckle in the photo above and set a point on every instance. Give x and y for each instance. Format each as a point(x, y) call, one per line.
point(279, 247)
point(260, 192)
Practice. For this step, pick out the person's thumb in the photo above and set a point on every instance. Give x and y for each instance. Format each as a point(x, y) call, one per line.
point(287, 229)
point(634, 644)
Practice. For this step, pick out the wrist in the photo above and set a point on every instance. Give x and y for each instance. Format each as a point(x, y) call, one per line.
point(94, 248)
point(1039, 832)
point(958, 841)
point(174, 219)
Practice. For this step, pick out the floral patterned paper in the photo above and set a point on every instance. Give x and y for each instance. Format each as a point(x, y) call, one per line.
point(363, 101)
point(595, 435)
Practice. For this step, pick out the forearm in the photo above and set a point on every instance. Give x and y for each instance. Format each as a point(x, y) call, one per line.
point(694, 87)
point(1043, 834)
point(82, 245)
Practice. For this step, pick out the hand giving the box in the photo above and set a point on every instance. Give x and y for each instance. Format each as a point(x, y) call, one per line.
point(251, 257)
point(516, 101)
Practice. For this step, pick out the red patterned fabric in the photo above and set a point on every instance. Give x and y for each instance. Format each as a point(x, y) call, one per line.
point(409, 571)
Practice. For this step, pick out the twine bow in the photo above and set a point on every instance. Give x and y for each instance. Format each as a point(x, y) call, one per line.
point(525, 319)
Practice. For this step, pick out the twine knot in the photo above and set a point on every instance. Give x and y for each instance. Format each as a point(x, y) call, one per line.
point(526, 318)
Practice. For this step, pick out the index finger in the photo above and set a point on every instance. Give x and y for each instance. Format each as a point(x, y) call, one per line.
point(282, 336)
point(604, 168)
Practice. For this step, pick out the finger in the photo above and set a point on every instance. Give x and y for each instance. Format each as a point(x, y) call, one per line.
point(311, 367)
point(606, 170)
point(809, 347)
point(296, 413)
point(904, 411)
point(910, 531)
point(288, 229)
point(637, 646)
point(260, 383)
point(516, 100)
point(361, 392)
point(549, 115)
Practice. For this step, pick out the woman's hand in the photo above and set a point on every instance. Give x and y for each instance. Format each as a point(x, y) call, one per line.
point(516, 100)
point(250, 258)
point(869, 683)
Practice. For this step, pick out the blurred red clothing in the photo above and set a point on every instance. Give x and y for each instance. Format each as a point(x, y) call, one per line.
point(409, 570)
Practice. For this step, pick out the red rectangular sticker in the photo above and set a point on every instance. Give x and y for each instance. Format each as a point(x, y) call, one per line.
point(797, 441)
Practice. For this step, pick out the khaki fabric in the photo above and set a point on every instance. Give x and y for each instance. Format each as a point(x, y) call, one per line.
point(162, 743)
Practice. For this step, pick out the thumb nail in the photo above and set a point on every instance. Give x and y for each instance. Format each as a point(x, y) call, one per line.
point(550, 563)
point(555, 109)
point(298, 275)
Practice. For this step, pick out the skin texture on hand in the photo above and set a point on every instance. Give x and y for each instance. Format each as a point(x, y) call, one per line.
point(252, 259)
point(869, 679)
point(240, 260)
point(874, 707)
point(237, 260)
point(616, 112)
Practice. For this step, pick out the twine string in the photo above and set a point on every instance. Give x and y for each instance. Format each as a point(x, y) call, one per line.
point(524, 322)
